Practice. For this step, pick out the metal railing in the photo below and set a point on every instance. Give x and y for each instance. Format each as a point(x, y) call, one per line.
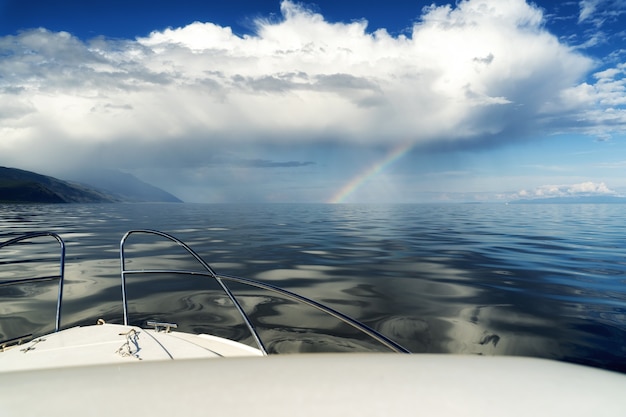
point(60, 276)
point(222, 279)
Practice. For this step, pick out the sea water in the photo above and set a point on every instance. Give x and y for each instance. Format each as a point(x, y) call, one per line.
point(492, 279)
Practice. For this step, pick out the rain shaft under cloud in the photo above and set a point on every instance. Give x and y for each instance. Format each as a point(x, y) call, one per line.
point(482, 73)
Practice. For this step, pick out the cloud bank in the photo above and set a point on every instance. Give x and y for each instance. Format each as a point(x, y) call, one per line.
point(584, 189)
point(479, 73)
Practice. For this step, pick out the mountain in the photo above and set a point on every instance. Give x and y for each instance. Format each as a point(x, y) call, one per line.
point(121, 185)
point(19, 186)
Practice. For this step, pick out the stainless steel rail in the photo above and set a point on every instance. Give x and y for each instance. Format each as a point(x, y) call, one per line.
point(60, 276)
point(324, 308)
point(210, 273)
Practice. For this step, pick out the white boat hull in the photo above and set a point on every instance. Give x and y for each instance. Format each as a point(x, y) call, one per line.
point(318, 385)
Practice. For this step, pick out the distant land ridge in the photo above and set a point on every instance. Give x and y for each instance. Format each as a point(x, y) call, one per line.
point(21, 186)
point(123, 186)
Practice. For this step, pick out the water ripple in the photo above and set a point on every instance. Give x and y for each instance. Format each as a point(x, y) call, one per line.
point(535, 280)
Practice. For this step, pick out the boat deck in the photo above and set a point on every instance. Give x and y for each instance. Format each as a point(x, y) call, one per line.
point(115, 343)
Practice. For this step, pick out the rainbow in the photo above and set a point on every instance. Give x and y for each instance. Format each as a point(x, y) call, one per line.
point(375, 169)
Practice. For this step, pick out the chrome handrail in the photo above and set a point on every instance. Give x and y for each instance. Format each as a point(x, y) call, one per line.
point(210, 273)
point(206, 266)
point(382, 339)
point(60, 277)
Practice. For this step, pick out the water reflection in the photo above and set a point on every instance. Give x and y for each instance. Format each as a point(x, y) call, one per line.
point(29, 308)
point(30, 274)
point(157, 290)
point(544, 281)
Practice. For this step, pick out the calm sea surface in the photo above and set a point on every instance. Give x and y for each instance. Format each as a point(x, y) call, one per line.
point(533, 280)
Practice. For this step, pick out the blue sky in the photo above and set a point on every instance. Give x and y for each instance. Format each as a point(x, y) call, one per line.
point(325, 101)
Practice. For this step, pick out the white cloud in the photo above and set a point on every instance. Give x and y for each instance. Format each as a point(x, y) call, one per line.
point(598, 12)
point(598, 108)
point(483, 70)
point(587, 9)
point(587, 188)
